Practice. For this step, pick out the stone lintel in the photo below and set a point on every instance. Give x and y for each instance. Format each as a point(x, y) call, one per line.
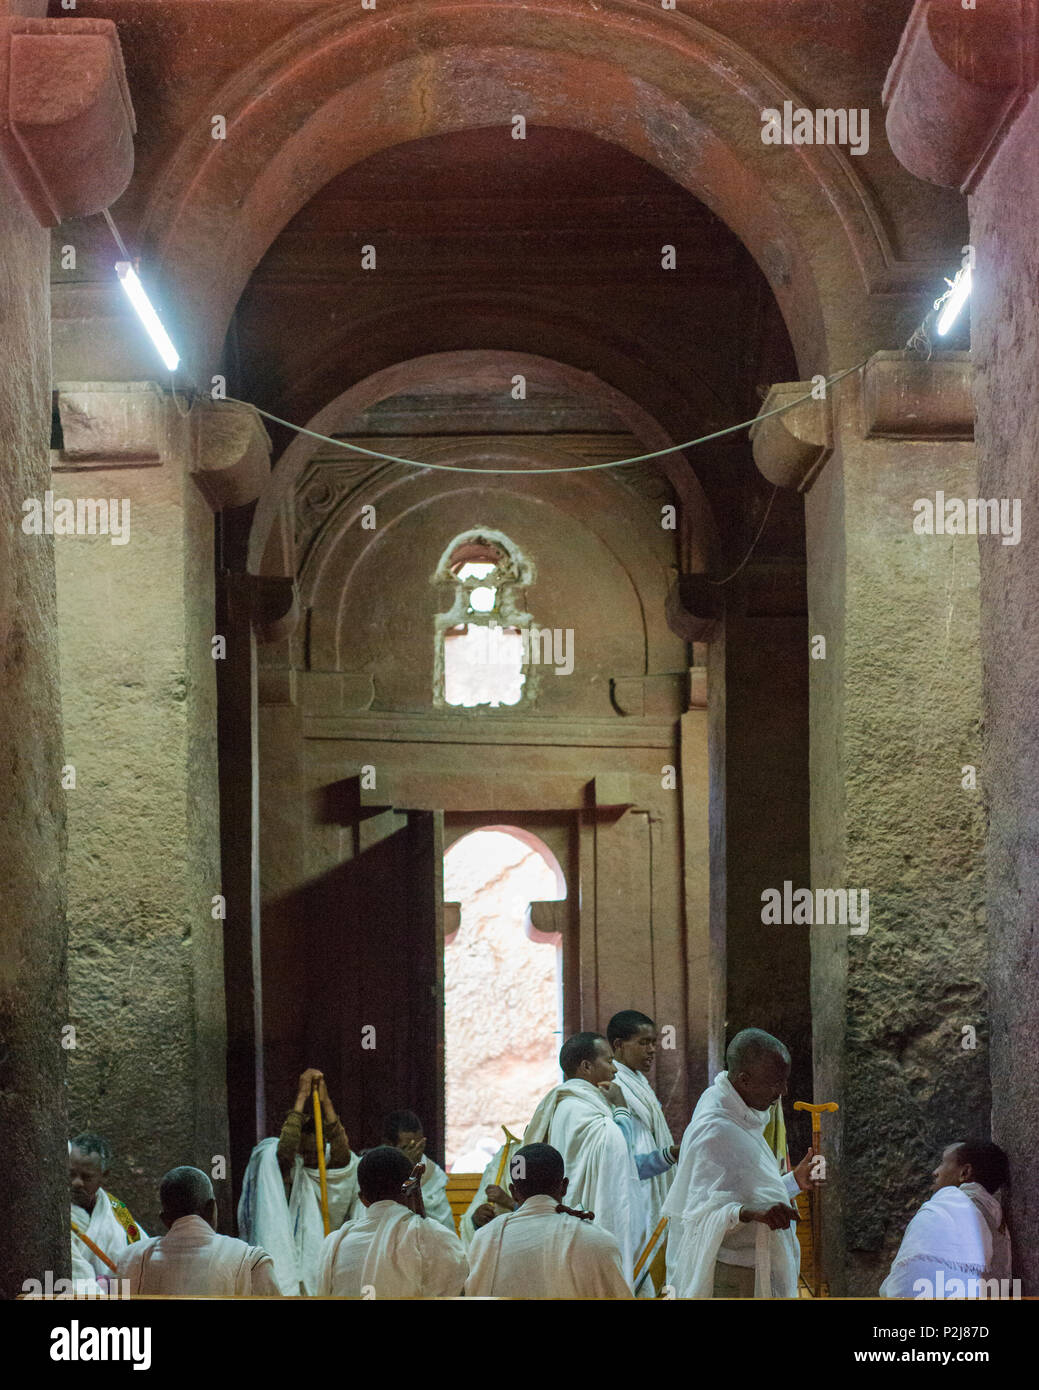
point(790, 449)
point(693, 609)
point(910, 397)
point(957, 82)
point(232, 453)
point(116, 424)
point(66, 119)
point(269, 602)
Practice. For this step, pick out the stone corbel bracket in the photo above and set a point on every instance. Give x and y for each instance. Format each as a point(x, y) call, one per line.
point(66, 119)
point(269, 602)
point(232, 453)
point(693, 609)
point(791, 449)
point(959, 79)
point(909, 397)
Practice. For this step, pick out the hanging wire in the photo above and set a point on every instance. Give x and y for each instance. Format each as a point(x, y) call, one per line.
point(574, 468)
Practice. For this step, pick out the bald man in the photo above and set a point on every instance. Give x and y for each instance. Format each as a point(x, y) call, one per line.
point(733, 1223)
point(191, 1258)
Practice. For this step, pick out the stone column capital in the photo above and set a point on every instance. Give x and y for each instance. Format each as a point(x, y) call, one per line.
point(957, 82)
point(268, 603)
point(66, 119)
point(790, 449)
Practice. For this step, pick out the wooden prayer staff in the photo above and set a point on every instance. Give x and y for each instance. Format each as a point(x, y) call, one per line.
point(510, 1139)
point(319, 1134)
point(91, 1246)
point(646, 1254)
point(815, 1196)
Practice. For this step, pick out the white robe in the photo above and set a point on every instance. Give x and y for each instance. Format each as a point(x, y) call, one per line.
point(466, 1229)
point(293, 1231)
point(389, 1252)
point(192, 1259)
point(106, 1231)
point(434, 1195)
point(725, 1164)
point(958, 1231)
point(651, 1132)
point(577, 1119)
point(537, 1252)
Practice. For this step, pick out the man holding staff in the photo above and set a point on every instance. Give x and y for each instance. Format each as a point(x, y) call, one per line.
point(280, 1207)
point(732, 1220)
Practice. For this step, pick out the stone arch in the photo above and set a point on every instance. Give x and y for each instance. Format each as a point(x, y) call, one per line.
point(266, 548)
point(663, 85)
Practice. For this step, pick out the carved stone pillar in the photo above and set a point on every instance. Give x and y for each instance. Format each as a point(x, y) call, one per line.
point(963, 111)
point(65, 150)
point(894, 723)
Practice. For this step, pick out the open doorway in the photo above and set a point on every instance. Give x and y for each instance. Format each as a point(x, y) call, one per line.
point(503, 995)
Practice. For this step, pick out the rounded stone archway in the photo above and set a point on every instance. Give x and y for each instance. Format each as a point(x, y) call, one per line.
point(662, 85)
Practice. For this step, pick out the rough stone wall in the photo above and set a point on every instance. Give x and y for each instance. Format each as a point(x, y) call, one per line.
point(896, 712)
point(497, 1075)
point(138, 701)
point(34, 1194)
point(1005, 335)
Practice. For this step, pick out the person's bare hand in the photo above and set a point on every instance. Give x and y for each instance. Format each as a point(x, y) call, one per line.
point(612, 1092)
point(803, 1172)
point(777, 1217)
point(310, 1078)
point(414, 1149)
point(483, 1214)
point(500, 1197)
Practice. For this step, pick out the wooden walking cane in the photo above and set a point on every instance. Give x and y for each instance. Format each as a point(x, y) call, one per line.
point(815, 1196)
point(646, 1254)
point(319, 1133)
point(91, 1246)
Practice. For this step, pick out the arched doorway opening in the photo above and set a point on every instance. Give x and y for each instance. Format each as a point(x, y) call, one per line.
point(503, 993)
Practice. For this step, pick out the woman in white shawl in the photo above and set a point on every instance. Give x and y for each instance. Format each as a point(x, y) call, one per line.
point(958, 1237)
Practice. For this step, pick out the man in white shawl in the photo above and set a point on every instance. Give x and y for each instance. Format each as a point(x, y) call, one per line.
point(633, 1037)
point(958, 1238)
point(102, 1218)
point(390, 1251)
point(489, 1201)
point(543, 1249)
point(582, 1119)
point(732, 1230)
point(280, 1205)
point(191, 1258)
point(402, 1129)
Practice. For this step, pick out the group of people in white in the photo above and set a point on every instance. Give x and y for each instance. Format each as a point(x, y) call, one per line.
point(715, 1218)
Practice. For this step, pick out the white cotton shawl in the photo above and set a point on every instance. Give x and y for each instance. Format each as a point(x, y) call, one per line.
point(292, 1232)
point(959, 1231)
point(725, 1164)
point(393, 1252)
point(466, 1229)
point(434, 1195)
point(537, 1252)
point(192, 1259)
point(648, 1113)
point(577, 1119)
point(104, 1229)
